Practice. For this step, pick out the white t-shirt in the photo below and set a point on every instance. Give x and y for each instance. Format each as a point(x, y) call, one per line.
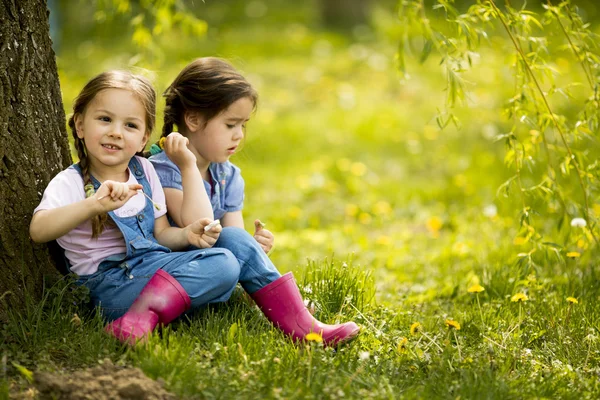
point(83, 252)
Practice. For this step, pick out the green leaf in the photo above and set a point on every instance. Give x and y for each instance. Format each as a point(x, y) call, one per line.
point(24, 371)
point(426, 51)
point(232, 333)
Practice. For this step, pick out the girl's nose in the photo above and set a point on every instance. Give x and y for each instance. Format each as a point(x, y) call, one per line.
point(239, 134)
point(116, 131)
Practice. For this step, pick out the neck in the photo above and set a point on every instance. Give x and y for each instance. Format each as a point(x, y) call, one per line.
point(202, 165)
point(118, 173)
point(203, 168)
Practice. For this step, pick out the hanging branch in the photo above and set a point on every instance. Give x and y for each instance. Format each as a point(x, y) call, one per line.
point(553, 118)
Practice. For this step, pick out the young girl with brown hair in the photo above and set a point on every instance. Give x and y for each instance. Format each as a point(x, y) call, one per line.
point(210, 103)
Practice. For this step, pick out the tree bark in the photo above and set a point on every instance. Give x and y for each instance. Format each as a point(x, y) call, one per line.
point(33, 142)
point(344, 13)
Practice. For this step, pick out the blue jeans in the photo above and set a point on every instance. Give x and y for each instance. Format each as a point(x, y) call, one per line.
point(256, 269)
point(207, 275)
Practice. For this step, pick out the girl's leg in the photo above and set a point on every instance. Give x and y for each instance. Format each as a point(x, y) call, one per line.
point(208, 275)
point(256, 269)
point(190, 279)
point(278, 296)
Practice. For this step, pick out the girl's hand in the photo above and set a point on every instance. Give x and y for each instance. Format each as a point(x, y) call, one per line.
point(198, 237)
point(112, 195)
point(263, 236)
point(176, 148)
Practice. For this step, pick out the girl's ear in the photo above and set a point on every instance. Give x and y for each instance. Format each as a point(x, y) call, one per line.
point(79, 125)
point(144, 142)
point(193, 121)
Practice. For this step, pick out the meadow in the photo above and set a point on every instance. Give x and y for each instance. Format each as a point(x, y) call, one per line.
point(383, 217)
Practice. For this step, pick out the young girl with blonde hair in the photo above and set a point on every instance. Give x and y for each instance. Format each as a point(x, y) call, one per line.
point(108, 213)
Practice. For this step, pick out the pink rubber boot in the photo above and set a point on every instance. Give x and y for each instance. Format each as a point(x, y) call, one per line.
point(282, 304)
point(161, 301)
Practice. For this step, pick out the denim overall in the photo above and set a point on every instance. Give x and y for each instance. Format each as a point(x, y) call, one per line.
point(207, 275)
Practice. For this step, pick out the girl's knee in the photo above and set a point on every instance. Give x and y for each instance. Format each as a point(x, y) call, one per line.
point(234, 234)
point(238, 241)
point(228, 269)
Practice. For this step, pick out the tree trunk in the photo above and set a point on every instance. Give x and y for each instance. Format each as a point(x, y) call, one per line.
point(344, 13)
point(33, 142)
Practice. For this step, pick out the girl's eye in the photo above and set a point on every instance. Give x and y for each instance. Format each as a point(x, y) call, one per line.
point(230, 126)
point(104, 118)
point(132, 125)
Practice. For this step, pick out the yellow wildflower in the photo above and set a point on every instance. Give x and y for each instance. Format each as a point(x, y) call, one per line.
point(161, 142)
point(365, 218)
point(358, 169)
point(519, 297)
point(573, 254)
point(415, 328)
point(476, 289)
point(572, 300)
point(313, 337)
point(434, 224)
point(402, 345)
point(77, 321)
point(452, 324)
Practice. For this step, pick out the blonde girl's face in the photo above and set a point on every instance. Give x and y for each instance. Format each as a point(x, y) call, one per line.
point(221, 137)
point(113, 128)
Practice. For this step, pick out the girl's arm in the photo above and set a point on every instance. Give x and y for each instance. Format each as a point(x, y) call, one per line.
point(180, 238)
point(47, 225)
point(233, 218)
point(191, 204)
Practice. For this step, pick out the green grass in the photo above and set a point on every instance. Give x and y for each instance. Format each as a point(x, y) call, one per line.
point(381, 217)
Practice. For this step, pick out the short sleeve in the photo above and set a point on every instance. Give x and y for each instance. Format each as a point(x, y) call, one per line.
point(234, 190)
point(168, 173)
point(64, 189)
point(158, 195)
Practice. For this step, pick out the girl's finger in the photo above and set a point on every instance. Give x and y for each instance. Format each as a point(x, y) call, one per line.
point(212, 234)
point(261, 240)
point(199, 242)
point(265, 233)
point(209, 240)
point(116, 191)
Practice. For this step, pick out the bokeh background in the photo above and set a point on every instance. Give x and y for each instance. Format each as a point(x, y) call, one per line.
point(344, 159)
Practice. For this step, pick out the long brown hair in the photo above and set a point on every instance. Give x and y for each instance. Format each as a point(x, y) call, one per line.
point(208, 86)
point(140, 87)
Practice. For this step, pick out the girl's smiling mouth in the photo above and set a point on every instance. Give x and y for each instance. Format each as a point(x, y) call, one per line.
point(111, 147)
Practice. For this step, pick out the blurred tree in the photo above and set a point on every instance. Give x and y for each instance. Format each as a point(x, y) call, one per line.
point(344, 13)
point(34, 140)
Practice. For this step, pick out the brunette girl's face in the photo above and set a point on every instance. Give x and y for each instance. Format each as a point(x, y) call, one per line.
point(220, 137)
point(113, 128)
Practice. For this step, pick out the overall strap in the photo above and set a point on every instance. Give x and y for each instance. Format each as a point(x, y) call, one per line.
point(136, 167)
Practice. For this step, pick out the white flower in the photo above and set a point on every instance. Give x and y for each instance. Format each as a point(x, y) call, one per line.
point(490, 211)
point(578, 222)
point(364, 355)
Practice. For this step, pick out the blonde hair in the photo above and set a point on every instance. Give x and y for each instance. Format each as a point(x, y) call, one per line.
point(140, 87)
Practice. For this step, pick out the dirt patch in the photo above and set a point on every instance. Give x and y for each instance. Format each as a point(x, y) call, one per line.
point(105, 381)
